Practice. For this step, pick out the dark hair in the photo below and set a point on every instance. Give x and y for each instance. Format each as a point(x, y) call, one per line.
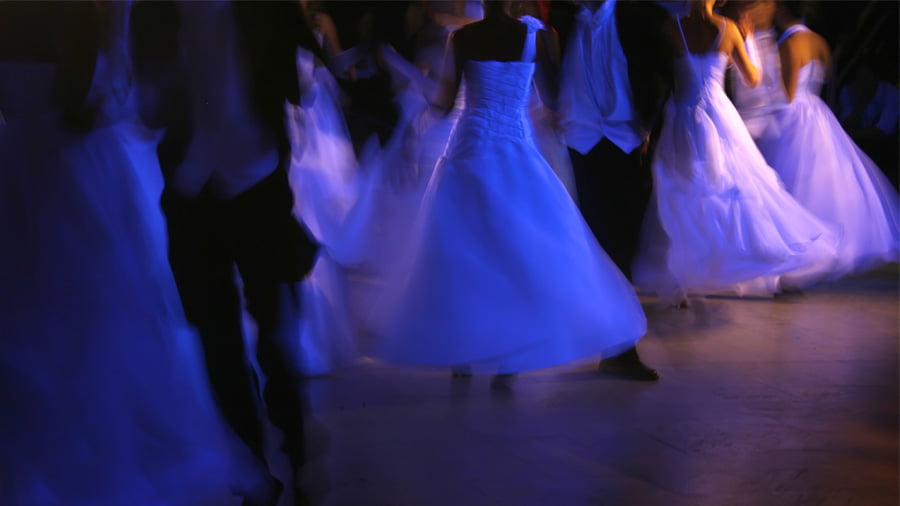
point(797, 9)
point(731, 10)
point(493, 6)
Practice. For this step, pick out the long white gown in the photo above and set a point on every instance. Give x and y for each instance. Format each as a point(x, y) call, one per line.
point(323, 164)
point(361, 211)
point(104, 394)
point(391, 179)
point(502, 273)
point(324, 179)
point(719, 219)
point(827, 173)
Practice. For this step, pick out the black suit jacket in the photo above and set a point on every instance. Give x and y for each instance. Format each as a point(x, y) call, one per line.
point(266, 240)
point(649, 52)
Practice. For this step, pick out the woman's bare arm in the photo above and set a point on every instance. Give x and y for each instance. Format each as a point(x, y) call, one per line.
point(791, 62)
point(748, 71)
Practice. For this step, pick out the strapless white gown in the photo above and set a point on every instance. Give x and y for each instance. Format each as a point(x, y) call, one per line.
point(325, 182)
point(501, 272)
point(827, 173)
point(720, 220)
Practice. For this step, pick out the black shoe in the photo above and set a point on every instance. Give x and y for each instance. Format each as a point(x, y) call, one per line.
point(628, 365)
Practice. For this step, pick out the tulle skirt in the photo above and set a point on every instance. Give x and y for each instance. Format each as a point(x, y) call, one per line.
point(104, 391)
point(829, 175)
point(325, 182)
point(500, 272)
point(323, 165)
point(720, 220)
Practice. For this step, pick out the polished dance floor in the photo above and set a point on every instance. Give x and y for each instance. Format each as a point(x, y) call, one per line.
point(784, 401)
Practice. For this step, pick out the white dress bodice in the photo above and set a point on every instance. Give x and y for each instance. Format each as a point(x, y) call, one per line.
point(496, 98)
point(720, 220)
point(810, 80)
point(698, 75)
point(496, 236)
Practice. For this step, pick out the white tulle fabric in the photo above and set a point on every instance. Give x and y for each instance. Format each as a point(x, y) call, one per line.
point(499, 271)
point(323, 164)
point(323, 176)
point(827, 173)
point(104, 391)
point(392, 180)
point(757, 105)
point(720, 220)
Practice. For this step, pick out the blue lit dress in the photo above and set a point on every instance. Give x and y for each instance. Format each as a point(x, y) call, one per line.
point(103, 390)
point(827, 173)
point(502, 274)
point(720, 220)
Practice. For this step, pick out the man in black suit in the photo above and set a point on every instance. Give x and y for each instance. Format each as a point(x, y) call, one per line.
point(216, 75)
point(611, 157)
point(611, 145)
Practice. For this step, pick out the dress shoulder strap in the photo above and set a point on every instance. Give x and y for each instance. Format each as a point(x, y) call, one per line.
point(800, 27)
point(529, 52)
point(687, 51)
point(716, 43)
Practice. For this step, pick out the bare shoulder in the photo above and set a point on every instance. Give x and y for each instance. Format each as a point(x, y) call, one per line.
point(731, 36)
point(792, 44)
point(820, 44)
point(806, 41)
point(796, 51)
point(731, 29)
point(806, 37)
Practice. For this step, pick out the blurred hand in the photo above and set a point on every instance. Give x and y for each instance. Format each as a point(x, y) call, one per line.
point(745, 25)
point(645, 146)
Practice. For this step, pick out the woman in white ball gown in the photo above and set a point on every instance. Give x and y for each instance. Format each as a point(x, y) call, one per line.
point(324, 178)
point(819, 163)
point(502, 275)
point(105, 399)
point(720, 220)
